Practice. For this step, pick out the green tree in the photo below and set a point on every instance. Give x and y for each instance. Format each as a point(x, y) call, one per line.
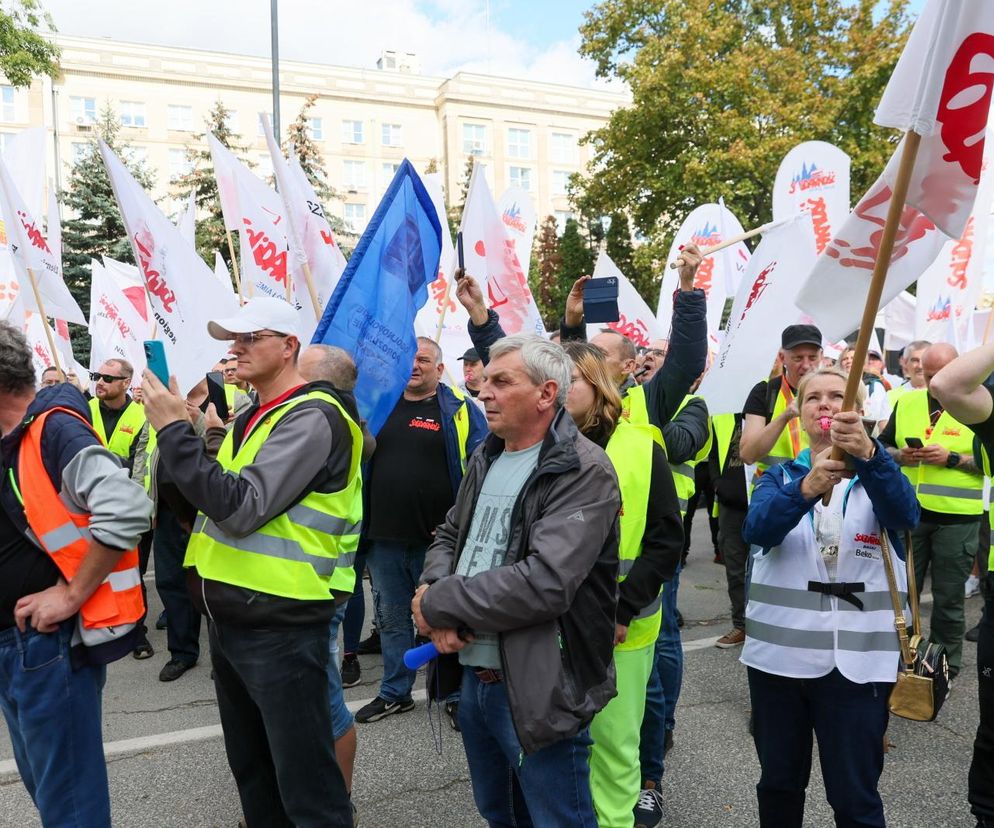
point(24, 52)
point(576, 260)
point(200, 179)
point(545, 276)
point(95, 228)
point(456, 207)
point(722, 90)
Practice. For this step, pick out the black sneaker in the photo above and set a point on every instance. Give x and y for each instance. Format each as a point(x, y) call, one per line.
point(160, 622)
point(452, 711)
point(351, 671)
point(173, 669)
point(649, 807)
point(380, 708)
point(371, 645)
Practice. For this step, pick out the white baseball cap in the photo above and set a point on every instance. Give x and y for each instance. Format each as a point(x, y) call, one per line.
point(259, 313)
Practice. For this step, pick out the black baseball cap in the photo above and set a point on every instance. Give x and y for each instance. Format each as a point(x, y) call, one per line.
point(471, 355)
point(794, 335)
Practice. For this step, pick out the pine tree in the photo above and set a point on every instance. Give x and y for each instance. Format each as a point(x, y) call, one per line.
point(550, 289)
point(96, 228)
point(577, 259)
point(200, 180)
point(456, 208)
point(619, 247)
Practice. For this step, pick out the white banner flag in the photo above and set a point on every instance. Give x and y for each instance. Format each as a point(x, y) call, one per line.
point(517, 211)
point(814, 177)
point(635, 319)
point(706, 226)
point(489, 252)
point(186, 222)
point(183, 291)
point(222, 274)
point(763, 307)
point(899, 321)
point(117, 328)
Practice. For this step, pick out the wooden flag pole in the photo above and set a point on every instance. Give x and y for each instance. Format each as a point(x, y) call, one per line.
point(310, 289)
point(234, 265)
point(748, 234)
point(445, 307)
point(44, 320)
point(900, 192)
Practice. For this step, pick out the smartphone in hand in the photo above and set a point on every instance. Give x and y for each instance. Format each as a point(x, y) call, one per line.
point(155, 358)
point(216, 395)
point(461, 263)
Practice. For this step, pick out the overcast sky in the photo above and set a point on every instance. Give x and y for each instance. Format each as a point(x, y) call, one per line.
point(525, 38)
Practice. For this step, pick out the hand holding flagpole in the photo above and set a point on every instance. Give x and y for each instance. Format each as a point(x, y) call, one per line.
point(707, 251)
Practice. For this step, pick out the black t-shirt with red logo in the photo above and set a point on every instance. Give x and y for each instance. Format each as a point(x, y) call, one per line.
point(408, 478)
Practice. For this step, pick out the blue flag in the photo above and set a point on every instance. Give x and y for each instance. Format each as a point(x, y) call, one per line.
point(371, 313)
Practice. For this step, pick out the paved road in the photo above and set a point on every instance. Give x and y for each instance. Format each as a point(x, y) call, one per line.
point(167, 765)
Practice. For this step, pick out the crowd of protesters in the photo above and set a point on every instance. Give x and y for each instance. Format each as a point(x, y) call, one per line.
point(531, 522)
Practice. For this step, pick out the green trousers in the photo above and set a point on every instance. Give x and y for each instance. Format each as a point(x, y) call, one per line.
point(947, 552)
point(615, 776)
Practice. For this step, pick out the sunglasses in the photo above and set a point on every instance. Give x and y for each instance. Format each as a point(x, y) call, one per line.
point(106, 377)
point(254, 336)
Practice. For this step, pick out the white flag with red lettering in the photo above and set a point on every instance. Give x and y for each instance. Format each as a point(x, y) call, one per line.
point(763, 307)
point(488, 252)
point(182, 290)
point(517, 211)
point(635, 319)
point(117, 328)
point(814, 177)
point(940, 89)
point(31, 252)
point(706, 226)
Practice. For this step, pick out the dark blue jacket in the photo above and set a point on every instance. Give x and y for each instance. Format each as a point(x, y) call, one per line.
point(449, 403)
point(777, 506)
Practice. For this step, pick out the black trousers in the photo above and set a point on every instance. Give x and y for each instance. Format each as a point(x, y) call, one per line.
point(182, 618)
point(704, 487)
point(981, 779)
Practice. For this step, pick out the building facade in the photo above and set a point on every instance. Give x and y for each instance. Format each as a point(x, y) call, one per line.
point(365, 121)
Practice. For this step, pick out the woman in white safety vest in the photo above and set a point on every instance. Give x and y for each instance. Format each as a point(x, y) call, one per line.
point(821, 648)
point(650, 543)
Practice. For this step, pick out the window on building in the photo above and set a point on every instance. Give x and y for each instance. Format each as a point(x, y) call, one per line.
point(474, 139)
point(519, 143)
point(560, 182)
point(562, 216)
point(391, 135)
point(179, 163)
point(352, 132)
point(137, 155)
point(520, 177)
point(179, 118)
point(83, 110)
point(389, 170)
point(132, 114)
point(315, 129)
point(355, 217)
point(79, 151)
point(354, 174)
point(562, 147)
point(7, 109)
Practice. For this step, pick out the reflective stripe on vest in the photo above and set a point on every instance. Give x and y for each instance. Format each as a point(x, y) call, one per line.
point(627, 449)
point(125, 432)
point(792, 440)
point(795, 632)
point(461, 420)
point(150, 445)
point(636, 411)
point(948, 491)
point(986, 466)
point(117, 603)
point(683, 474)
point(304, 553)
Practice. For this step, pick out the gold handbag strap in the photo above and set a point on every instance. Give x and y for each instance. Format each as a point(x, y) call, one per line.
point(909, 562)
point(900, 622)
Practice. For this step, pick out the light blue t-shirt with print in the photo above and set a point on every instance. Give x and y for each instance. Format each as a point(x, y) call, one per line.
point(486, 543)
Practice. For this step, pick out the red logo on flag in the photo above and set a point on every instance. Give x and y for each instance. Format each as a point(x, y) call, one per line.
point(965, 102)
point(267, 256)
point(758, 287)
point(34, 234)
point(157, 285)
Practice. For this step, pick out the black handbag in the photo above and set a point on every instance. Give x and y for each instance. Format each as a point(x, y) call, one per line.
point(922, 684)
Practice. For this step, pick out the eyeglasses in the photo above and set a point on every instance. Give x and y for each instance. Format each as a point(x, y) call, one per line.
point(254, 336)
point(106, 377)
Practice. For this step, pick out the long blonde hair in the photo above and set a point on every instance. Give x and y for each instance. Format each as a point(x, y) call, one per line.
point(599, 422)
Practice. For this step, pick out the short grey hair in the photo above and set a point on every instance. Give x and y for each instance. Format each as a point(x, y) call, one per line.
point(334, 366)
point(917, 345)
point(544, 361)
point(17, 371)
point(427, 340)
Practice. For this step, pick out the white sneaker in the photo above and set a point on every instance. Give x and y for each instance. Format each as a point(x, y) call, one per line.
point(972, 586)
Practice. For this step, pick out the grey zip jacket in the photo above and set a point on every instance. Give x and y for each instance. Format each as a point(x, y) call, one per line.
point(552, 603)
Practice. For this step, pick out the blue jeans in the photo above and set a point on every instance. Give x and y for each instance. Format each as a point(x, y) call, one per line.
point(355, 614)
point(341, 717)
point(275, 708)
point(549, 788)
point(849, 720)
point(53, 716)
point(396, 567)
point(182, 618)
point(663, 690)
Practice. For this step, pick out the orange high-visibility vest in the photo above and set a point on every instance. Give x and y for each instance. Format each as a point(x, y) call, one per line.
point(117, 603)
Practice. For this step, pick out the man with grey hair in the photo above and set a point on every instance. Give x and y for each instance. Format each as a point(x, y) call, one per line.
point(911, 368)
point(521, 583)
point(69, 521)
